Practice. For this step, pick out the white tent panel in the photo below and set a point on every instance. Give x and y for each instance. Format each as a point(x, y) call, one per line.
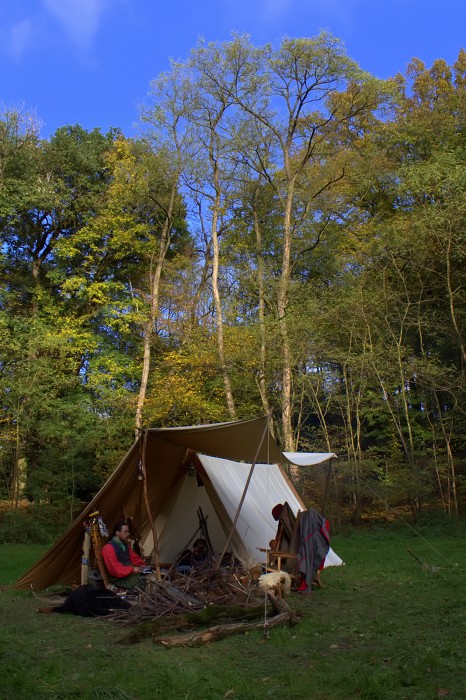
point(255, 526)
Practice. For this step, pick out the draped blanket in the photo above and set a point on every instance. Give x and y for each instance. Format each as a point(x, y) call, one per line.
point(313, 543)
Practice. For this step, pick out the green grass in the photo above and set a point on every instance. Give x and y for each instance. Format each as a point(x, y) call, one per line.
point(382, 628)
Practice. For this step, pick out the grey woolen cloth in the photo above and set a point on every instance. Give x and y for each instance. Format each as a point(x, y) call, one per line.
point(313, 543)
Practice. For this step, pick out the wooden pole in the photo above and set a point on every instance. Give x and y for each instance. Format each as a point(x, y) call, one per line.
point(246, 486)
point(97, 546)
point(85, 557)
point(149, 513)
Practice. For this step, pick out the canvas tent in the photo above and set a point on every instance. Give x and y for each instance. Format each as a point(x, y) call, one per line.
point(186, 469)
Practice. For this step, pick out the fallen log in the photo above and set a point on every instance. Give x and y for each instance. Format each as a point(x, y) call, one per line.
point(280, 605)
point(212, 634)
point(184, 621)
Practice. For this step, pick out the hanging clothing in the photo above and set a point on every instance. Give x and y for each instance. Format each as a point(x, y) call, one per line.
point(313, 544)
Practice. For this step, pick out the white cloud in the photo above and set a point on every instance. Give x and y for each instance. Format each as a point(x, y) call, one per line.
point(19, 37)
point(316, 12)
point(275, 8)
point(339, 9)
point(79, 18)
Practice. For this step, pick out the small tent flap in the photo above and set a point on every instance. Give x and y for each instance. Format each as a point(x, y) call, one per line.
point(307, 459)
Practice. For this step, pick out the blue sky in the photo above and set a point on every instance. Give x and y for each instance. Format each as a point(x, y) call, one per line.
point(90, 62)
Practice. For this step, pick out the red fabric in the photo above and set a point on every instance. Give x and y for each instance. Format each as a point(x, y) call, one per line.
point(114, 567)
point(277, 511)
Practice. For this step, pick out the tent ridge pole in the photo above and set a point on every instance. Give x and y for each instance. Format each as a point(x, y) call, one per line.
point(246, 486)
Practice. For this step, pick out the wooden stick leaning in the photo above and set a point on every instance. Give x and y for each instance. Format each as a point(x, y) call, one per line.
point(246, 486)
point(205, 531)
point(424, 566)
point(149, 514)
point(97, 547)
point(85, 556)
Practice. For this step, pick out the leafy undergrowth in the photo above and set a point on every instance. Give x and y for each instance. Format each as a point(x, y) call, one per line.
point(383, 627)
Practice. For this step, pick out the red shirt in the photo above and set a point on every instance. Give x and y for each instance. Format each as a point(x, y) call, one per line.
point(116, 568)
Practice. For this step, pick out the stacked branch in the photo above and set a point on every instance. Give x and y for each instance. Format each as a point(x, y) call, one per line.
point(189, 594)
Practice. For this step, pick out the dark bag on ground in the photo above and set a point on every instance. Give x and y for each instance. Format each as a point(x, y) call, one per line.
point(89, 601)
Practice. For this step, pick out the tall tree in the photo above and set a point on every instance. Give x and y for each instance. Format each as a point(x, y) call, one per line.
point(301, 112)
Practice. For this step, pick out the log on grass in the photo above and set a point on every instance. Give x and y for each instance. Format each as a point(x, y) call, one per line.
point(164, 624)
point(281, 606)
point(212, 634)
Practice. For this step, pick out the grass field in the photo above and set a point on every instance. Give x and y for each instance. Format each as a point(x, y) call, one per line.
point(383, 627)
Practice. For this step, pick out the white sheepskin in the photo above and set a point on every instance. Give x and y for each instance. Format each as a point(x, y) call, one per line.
point(275, 582)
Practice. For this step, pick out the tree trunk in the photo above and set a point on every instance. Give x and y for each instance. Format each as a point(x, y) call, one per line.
point(216, 292)
point(261, 299)
point(282, 303)
point(451, 303)
point(155, 276)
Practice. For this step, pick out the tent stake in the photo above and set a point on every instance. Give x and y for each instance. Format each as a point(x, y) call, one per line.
point(246, 486)
point(149, 514)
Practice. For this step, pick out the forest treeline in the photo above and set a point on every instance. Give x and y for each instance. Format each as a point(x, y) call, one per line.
point(286, 236)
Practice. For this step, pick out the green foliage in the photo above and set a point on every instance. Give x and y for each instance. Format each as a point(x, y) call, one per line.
point(336, 205)
point(32, 525)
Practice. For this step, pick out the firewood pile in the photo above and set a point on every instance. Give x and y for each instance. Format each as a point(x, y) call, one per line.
point(191, 593)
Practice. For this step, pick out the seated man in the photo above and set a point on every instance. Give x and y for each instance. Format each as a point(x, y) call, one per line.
point(124, 566)
point(199, 558)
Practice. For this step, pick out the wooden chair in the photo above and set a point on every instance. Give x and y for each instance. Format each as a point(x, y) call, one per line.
point(283, 557)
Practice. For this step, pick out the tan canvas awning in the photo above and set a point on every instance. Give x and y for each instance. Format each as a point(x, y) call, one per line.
point(166, 463)
point(237, 440)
